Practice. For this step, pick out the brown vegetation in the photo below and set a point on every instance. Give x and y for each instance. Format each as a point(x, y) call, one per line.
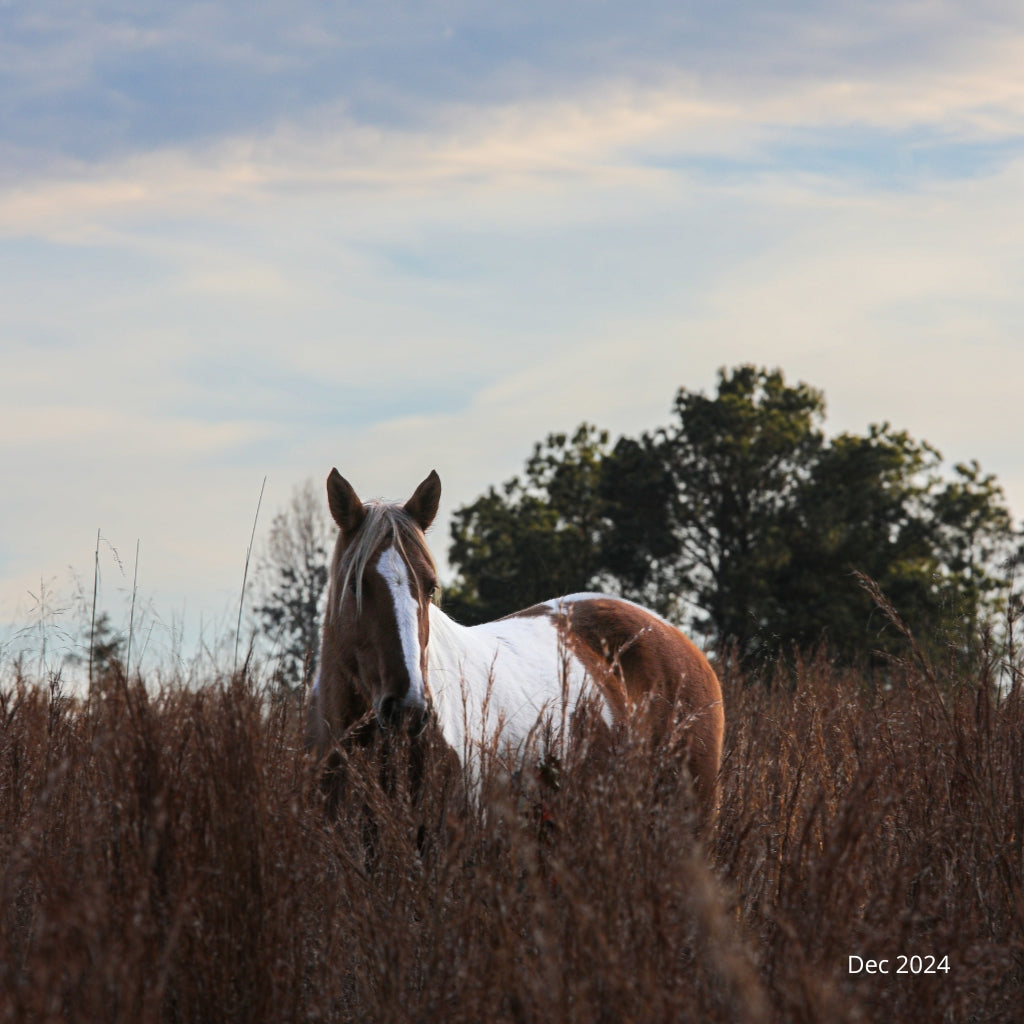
point(167, 858)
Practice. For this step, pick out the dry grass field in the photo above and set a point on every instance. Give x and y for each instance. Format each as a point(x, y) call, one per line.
point(166, 856)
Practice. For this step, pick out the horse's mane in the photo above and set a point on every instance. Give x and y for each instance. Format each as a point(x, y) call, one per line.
point(383, 523)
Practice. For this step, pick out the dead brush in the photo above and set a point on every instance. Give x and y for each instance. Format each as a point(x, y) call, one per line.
point(877, 822)
point(166, 855)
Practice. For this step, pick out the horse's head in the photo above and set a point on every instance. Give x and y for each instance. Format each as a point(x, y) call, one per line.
point(377, 622)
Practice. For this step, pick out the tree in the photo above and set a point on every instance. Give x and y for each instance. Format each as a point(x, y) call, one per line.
point(977, 545)
point(772, 521)
point(538, 537)
point(738, 463)
point(866, 507)
point(741, 518)
point(107, 647)
point(639, 548)
point(291, 582)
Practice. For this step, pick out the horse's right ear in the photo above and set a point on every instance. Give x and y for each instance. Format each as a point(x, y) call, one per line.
point(346, 508)
point(422, 506)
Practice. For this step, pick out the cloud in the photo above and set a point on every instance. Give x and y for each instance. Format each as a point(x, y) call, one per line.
point(130, 436)
point(94, 84)
point(609, 130)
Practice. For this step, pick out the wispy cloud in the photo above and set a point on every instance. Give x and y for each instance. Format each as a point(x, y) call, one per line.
point(600, 130)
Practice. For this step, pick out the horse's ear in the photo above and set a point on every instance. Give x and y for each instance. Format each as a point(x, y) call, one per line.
point(346, 508)
point(422, 506)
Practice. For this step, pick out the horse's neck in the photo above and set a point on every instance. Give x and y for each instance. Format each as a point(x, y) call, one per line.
point(453, 648)
point(466, 659)
point(522, 653)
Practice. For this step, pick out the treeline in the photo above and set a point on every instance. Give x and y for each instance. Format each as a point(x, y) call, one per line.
point(742, 518)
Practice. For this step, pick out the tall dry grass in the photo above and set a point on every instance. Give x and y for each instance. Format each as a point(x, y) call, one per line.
point(167, 857)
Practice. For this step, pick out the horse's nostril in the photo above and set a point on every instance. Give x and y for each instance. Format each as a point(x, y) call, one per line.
point(389, 711)
point(421, 720)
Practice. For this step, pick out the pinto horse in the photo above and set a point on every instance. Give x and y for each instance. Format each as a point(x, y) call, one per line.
point(390, 655)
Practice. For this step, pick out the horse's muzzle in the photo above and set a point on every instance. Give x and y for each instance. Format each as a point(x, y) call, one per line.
point(392, 714)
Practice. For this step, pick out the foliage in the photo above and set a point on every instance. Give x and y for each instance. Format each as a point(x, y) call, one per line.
point(741, 517)
point(738, 463)
point(291, 581)
point(108, 646)
point(538, 537)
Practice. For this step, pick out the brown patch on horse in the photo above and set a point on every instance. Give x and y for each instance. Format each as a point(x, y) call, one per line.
point(640, 661)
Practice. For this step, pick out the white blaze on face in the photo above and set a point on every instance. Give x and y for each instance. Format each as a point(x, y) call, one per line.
point(395, 573)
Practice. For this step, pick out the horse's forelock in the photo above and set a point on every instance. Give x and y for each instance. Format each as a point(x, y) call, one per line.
point(384, 523)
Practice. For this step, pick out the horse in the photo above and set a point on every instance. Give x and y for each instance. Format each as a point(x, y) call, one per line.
point(391, 658)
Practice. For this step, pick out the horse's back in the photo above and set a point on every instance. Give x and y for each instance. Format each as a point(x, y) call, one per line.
point(641, 661)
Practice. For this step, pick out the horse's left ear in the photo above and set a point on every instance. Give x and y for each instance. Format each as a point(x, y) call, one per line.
point(346, 508)
point(422, 506)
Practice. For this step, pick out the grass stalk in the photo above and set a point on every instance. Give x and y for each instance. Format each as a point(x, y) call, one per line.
point(131, 614)
point(245, 574)
point(92, 621)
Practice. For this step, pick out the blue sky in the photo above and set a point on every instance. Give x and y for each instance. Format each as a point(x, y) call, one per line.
point(265, 239)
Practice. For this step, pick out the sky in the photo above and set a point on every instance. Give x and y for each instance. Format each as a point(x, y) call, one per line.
point(248, 241)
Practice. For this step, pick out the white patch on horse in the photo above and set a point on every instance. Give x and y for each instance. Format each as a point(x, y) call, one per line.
point(501, 675)
point(395, 573)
